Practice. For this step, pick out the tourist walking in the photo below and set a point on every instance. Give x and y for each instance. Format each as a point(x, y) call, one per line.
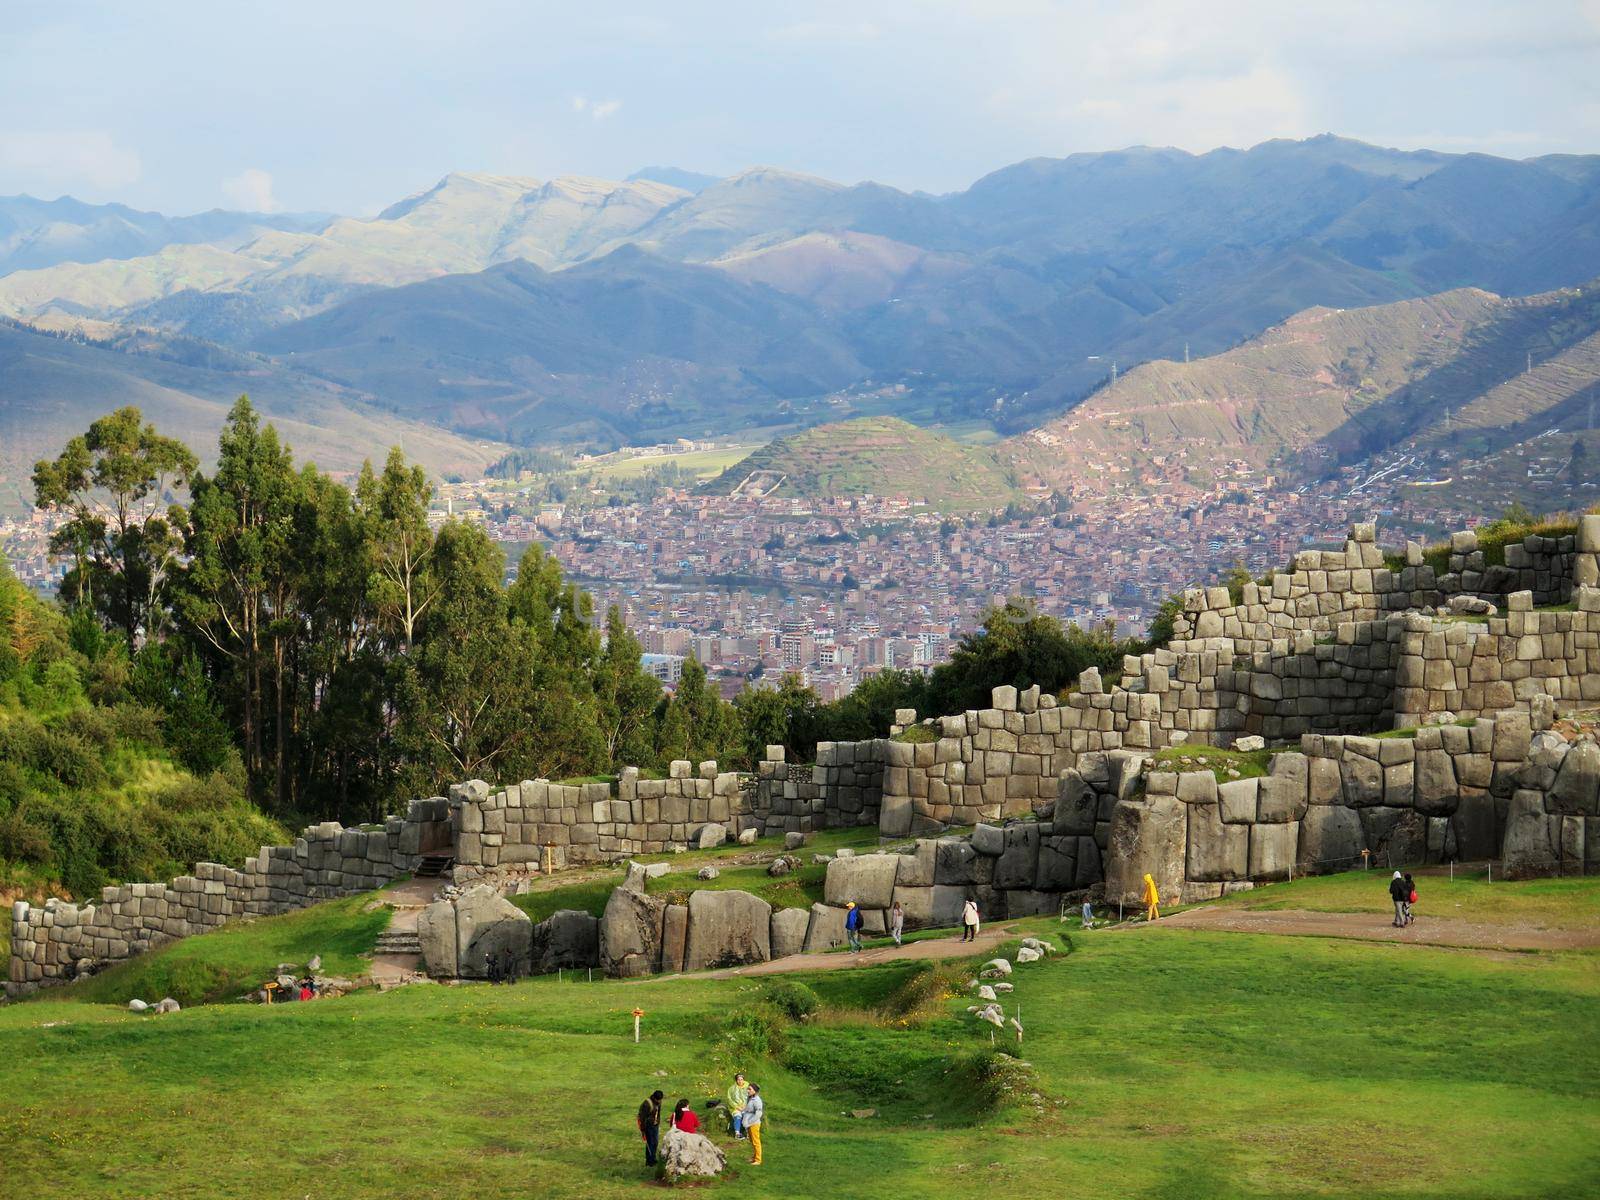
point(1151, 899)
point(969, 921)
point(491, 967)
point(683, 1118)
point(1088, 915)
point(508, 966)
point(1400, 894)
point(738, 1093)
point(852, 926)
point(754, 1108)
point(1411, 896)
point(897, 922)
point(650, 1126)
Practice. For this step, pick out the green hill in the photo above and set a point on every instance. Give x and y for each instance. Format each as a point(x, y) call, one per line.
point(879, 456)
point(98, 782)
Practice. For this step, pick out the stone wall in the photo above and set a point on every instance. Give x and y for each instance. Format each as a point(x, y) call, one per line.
point(1548, 567)
point(843, 788)
point(594, 822)
point(1466, 668)
point(55, 942)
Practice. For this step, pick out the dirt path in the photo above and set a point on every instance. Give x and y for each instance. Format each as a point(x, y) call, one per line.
point(929, 949)
point(409, 899)
point(1374, 927)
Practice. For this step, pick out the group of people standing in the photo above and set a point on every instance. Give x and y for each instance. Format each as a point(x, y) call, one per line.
point(1403, 891)
point(745, 1109)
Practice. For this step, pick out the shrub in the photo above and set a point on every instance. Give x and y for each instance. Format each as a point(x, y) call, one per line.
point(794, 1000)
point(752, 1033)
point(130, 722)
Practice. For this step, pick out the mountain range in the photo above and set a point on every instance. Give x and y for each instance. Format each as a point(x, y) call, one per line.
point(593, 313)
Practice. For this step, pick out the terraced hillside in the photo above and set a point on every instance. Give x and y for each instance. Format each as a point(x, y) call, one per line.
point(1448, 373)
point(881, 456)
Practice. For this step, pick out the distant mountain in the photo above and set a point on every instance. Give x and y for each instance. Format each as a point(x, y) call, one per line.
point(689, 181)
point(51, 388)
point(42, 233)
point(626, 347)
point(1447, 373)
point(1006, 303)
point(881, 456)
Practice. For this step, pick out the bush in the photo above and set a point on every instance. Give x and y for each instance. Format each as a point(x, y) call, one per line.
point(794, 1000)
point(752, 1033)
point(138, 723)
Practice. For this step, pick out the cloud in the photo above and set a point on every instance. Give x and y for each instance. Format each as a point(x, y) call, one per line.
point(599, 110)
point(250, 191)
point(827, 31)
point(60, 160)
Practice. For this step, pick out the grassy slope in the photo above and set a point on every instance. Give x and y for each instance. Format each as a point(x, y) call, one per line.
point(1170, 1065)
point(882, 455)
point(225, 964)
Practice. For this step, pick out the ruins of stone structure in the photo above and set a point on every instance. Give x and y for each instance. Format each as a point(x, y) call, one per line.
point(1065, 792)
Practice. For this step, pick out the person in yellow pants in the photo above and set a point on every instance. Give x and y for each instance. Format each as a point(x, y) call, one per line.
point(1152, 900)
point(753, 1109)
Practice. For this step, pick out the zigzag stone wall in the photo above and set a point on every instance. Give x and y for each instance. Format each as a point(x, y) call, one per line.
point(55, 942)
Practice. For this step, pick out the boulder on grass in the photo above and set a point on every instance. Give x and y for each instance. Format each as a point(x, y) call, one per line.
point(487, 926)
point(689, 1154)
point(566, 939)
point(630, 933)
point(868, 879)
point(727, 929)
point(788, 931)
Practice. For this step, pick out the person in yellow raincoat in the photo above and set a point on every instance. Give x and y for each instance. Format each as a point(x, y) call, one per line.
point(1151, 899)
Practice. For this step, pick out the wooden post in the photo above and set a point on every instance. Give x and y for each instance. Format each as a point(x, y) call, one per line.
point(637, 1013)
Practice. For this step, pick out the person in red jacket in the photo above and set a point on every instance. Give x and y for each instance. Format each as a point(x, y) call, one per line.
point(683, 1118)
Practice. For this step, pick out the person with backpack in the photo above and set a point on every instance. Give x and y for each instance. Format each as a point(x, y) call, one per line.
point(897, 922)
point(852, 926)
point(754, 1109)
point(650, 1125)
point(738, 1093)
point(1411, 896)
point(1400, 894)
point(969, 920)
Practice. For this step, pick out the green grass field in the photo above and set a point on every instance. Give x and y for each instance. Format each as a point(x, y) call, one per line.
point(705, 464)
point(1171, 1063)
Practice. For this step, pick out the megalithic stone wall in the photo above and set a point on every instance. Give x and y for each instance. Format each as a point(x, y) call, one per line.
point(843, 788)
point(593, 822)
point(54, 942)
point(1467, 668)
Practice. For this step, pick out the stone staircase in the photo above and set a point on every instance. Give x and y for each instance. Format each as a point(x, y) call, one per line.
point(399, 942)
point(431, 866)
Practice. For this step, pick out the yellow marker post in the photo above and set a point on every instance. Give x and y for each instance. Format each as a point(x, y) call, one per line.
point(637, 1013)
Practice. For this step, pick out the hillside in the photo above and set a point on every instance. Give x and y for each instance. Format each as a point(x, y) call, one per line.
point(51, 388)
point(881, 456)
point(629, 347)
point(1335, 385)
point(97, 783)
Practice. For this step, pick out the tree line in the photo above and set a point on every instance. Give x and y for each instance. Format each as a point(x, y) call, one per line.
point(349, 654)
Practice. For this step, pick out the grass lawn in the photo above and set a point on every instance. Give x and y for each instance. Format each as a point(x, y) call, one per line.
point(237, 958)
point(706, 464)
point(1171, 1064)
point(1224, 764)
point(1548, 903)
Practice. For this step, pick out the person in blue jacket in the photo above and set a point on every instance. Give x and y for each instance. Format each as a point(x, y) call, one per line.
point(852, 926)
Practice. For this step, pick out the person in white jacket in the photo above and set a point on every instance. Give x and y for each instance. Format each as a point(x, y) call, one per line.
point(969, 921)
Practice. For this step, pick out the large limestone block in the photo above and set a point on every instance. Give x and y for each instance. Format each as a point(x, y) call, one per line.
point(1272, 849)
point(1217, 850)
point(709, 837)
point(894, 813)
point(1477, 827)
point(436, 930)
point(689, 1154)
point(1396, 836)
point(1147, 837)
point(1076, 805)
point(1057, 864)
point(1577, 783)
point(727, 929)
point(931, 907)
point(988, 839)
point(674, 938)
point(1330, 839)
point(825, 929)
point(487, 925)
point(1363, 781)
point(565, 940)
point(953, 862)
point(868, 879)
point(1089, 872)
point(630, 933)
point(919, 866)
point(1238, 799)
point(1532, 844)
point(788, 931)
point(1436, 790)
point(1019, 861)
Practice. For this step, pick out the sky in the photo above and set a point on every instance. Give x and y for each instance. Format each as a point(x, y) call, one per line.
point(346, 106)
